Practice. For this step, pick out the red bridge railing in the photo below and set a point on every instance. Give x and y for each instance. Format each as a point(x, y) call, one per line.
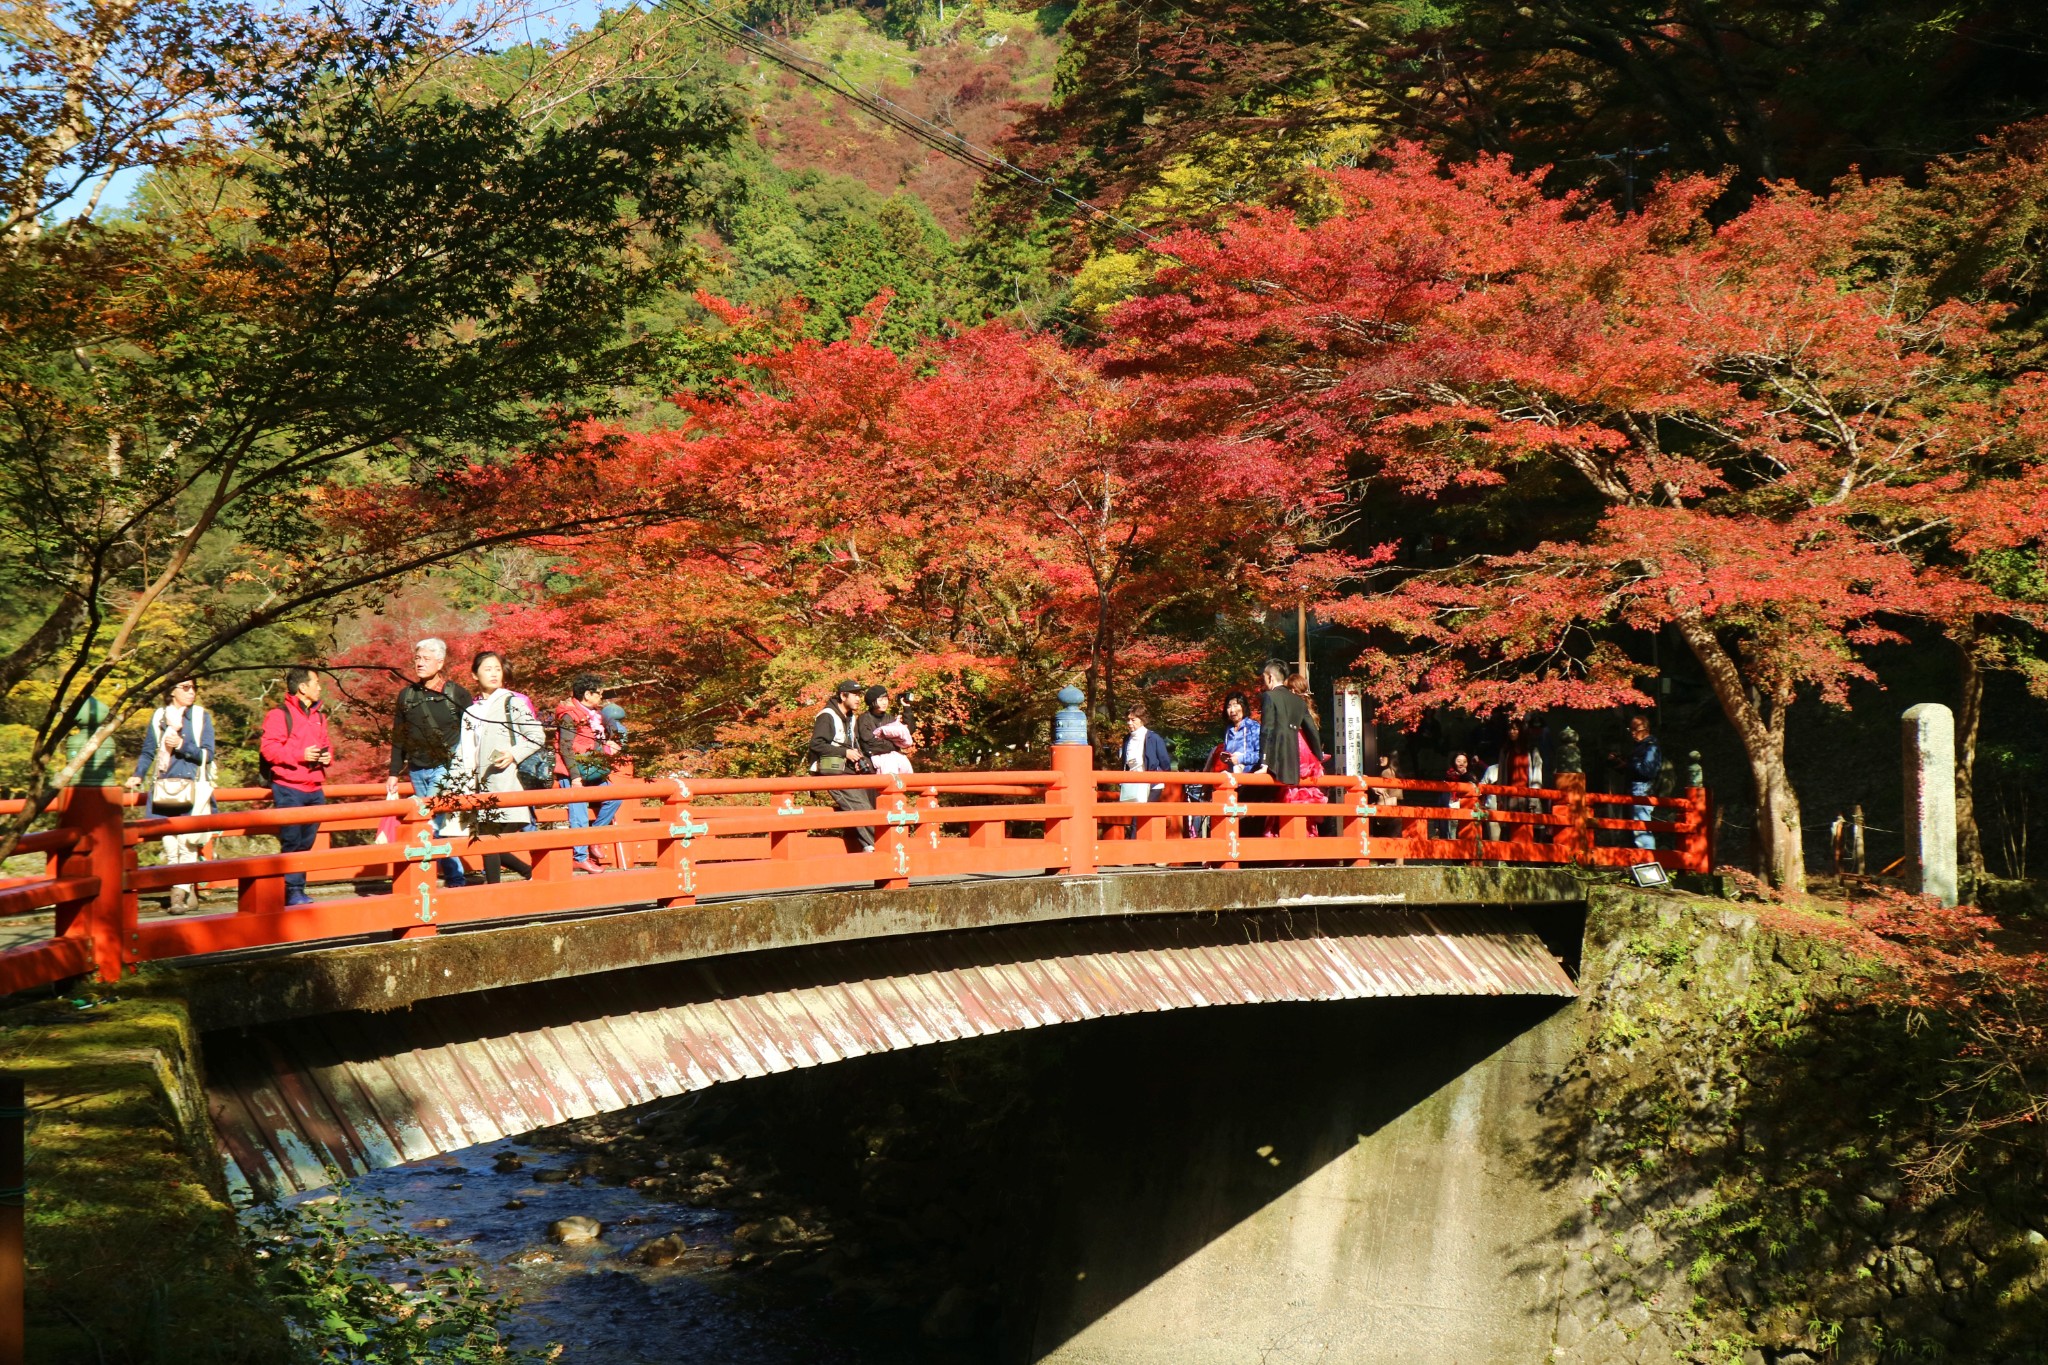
point(676, 841)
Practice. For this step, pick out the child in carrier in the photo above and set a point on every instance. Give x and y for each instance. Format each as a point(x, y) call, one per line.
point(885, 737)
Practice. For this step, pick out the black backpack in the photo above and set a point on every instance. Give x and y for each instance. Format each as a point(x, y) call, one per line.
point(264, 773)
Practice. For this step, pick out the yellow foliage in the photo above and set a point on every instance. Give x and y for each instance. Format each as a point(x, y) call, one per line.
point(1107, 278)
point(1220, 175)
point(1226, 172)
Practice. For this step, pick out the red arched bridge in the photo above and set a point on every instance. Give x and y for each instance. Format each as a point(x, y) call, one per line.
point(738, 935)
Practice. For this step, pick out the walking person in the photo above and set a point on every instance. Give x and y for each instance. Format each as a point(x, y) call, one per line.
point(1239, 751)
point(884, 737)
point(1459, 769)
point(1144, 751)
point(1639, 769)
point(1519, 764)
point(1389, 827)
point(1312, 758)
point(499, 732)
point(585, 753)
point(1287, 729)
point(293, 757)
point(835, 752)
point(622, 771)
point(426, 727)
point(178, 773)
point(1241, 735)
point(537, 770)
point(1236, 752)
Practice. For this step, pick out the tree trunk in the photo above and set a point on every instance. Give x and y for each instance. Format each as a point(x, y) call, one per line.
point(1781, 851)
point(1969, 718)
point(1105, 656)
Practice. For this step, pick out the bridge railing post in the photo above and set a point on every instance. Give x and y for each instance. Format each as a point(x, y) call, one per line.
point(1231, 826)
point(1472, 831)
point(1574, 841)
point(1414, 828)
point(415, 878)
point(894, 842)
point(1354, 828)
point(108, 920)
point(1074, 787)
point(930, 827)
point(1073, 766)
point(679, 830)
point(1693, 841)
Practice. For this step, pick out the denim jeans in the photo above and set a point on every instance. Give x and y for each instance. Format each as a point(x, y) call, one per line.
point(426, 782)
point(579, 816)
point(1644, 839)
point(295, 838)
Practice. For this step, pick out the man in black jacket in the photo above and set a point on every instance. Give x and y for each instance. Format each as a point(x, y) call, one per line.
point(835, 751)
point(426, 726)
point(1283, 720)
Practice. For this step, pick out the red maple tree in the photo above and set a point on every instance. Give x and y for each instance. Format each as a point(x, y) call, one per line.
point(985, 518)
point(1761, 430)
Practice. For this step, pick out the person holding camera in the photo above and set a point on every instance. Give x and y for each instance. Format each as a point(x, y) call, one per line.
point(585, 754)
point(426, 727)
point(835, 752)
point(293, 757)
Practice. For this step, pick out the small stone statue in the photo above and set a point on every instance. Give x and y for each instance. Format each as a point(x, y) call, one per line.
point(1695, 775)
point(1569, 759)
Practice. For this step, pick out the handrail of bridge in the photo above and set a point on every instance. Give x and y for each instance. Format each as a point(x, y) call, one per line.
point(676, 840)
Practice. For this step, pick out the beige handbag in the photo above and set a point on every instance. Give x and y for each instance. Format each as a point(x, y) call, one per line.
point(173, 791)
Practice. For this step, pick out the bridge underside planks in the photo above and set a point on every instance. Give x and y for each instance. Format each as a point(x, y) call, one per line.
point(295, 1102)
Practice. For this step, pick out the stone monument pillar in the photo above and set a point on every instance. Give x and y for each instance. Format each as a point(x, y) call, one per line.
point(102, 769)
point(1930, 757)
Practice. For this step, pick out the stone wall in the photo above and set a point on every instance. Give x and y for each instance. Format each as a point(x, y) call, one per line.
point(1407, 1225)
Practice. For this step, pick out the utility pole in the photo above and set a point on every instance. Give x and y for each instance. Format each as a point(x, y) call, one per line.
point(1625, 161)
point(1301, 638)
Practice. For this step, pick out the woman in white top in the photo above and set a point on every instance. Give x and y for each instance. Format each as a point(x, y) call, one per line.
point(178, 770)
point(1520, 765)
point(499, 730)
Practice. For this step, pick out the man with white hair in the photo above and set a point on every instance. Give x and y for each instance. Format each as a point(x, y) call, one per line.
point(425, 730)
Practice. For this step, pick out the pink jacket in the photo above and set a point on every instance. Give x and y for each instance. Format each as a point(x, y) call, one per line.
point(284, 742)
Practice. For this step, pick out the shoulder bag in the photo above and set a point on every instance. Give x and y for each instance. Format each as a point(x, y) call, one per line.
point(169, 791)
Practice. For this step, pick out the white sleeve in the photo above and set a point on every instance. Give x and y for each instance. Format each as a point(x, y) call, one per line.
point(522, 730)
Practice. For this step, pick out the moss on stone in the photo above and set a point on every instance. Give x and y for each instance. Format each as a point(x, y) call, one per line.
point(132, 1246)
point(1740, 1126)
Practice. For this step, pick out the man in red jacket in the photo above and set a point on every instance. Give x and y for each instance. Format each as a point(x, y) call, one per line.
point(296, 750)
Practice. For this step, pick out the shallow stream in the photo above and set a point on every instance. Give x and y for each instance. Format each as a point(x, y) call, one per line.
point(604, 1306)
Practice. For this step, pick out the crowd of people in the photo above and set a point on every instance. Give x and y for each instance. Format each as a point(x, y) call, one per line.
point(1284, 741)
point(446, 738)
point(487, 736)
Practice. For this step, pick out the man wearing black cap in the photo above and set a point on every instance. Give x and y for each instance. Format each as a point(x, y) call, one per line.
point(835, 751)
